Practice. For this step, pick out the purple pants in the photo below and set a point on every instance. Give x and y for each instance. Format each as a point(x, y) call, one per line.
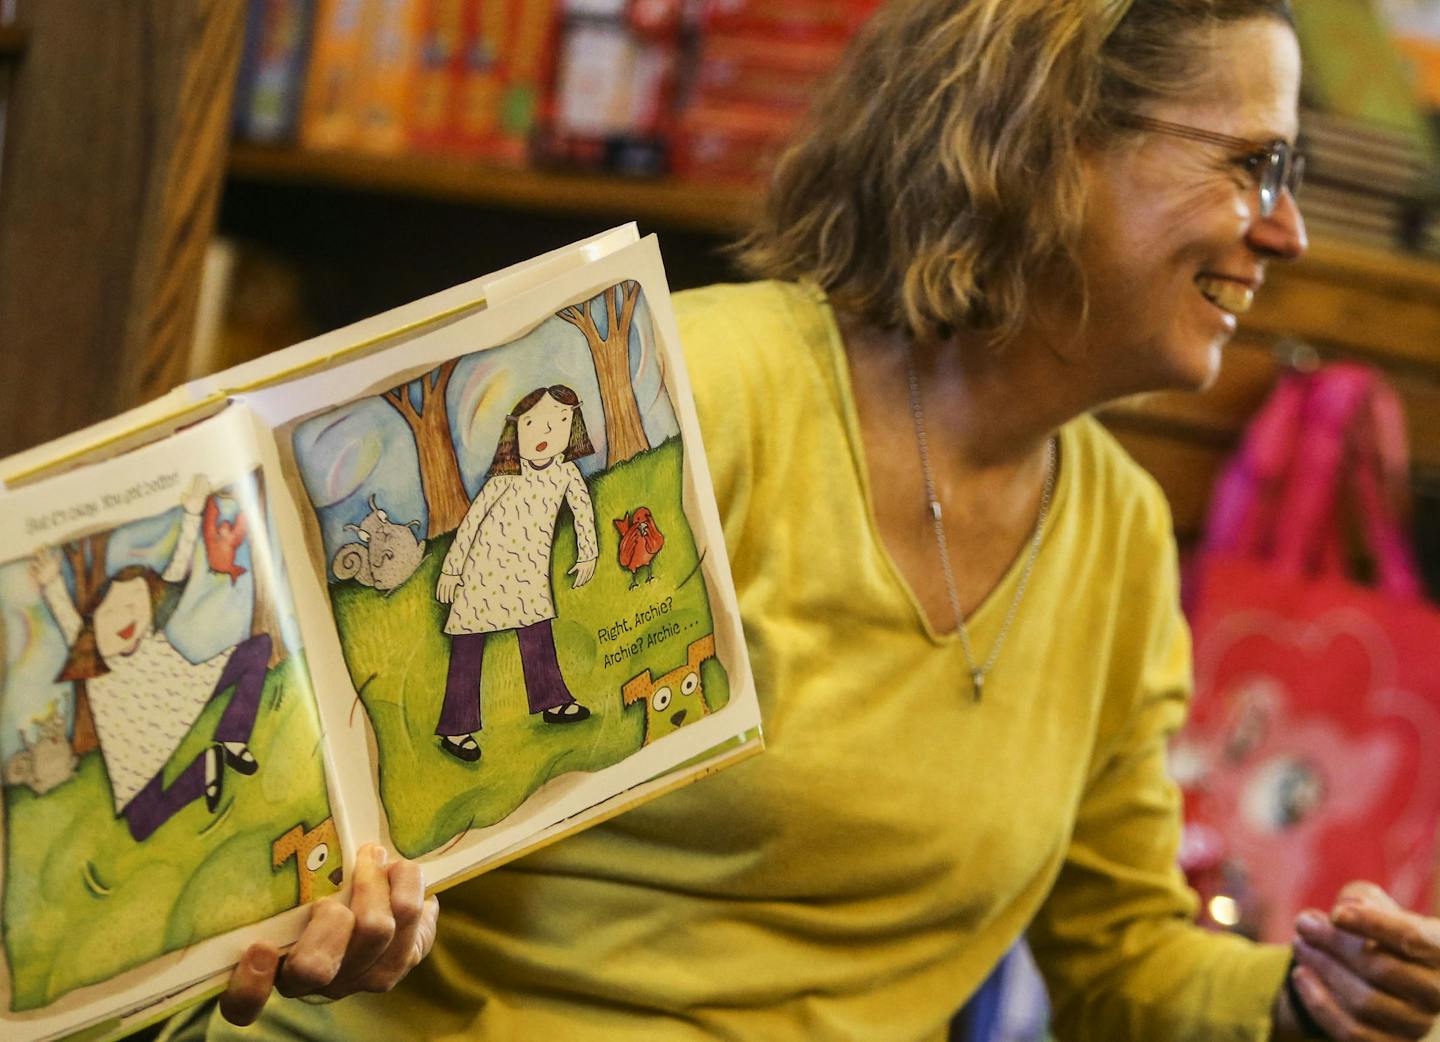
point(154, 805)
point(544, 686)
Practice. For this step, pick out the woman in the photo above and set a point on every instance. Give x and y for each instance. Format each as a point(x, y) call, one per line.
point(493, 583)
point(959, 594)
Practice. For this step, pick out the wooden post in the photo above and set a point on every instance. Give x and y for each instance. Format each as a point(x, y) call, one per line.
point(117, 129)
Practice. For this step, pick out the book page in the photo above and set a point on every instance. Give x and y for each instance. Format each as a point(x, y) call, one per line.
point(164, 799)
point(510, 532)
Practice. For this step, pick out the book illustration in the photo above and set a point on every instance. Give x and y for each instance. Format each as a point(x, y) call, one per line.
point(48, 760)
point(316, 853)
point(496, 576)
point(640, 542)
point(170, 734)
point(678, 697)
point(383, 555)
point(508, 457)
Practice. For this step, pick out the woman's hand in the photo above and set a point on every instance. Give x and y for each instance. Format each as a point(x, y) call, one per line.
point(1370, 971)
point(369, 944)
point(583, 571)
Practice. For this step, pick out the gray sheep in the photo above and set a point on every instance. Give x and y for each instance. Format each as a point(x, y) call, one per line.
point(386, 555)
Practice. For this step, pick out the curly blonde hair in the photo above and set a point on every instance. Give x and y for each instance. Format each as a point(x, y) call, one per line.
point(939, 171)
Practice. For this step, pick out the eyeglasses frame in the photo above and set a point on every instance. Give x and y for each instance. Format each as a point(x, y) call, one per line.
point(1281, 156)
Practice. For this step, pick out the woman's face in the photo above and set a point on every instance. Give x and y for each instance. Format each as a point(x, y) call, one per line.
point(544, 430)
point(1174, 245)
point(122, 619)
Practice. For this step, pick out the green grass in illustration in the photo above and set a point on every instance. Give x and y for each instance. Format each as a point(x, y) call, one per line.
point(398, 653)
point(84, 902)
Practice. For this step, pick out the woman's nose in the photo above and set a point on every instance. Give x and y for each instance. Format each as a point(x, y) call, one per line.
point(1282, 234)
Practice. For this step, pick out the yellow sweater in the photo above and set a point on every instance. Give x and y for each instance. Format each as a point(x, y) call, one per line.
point(859, 879)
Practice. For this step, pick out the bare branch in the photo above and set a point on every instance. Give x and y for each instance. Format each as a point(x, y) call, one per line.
point(632, 295)
point(399, 397)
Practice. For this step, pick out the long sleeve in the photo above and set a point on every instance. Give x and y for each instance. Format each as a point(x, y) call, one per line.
point(184, 555)
point(483, 503)
point(578, 496)
point(1115, 939)
point(62, 608)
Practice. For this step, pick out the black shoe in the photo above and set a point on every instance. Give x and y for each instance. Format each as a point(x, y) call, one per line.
point(243, 762)
point(569, 713)
point(214, 787)
point(461, 746)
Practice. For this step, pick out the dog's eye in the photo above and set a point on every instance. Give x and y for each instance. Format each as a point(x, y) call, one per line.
point(318, 857)
point(660, 700)
point(690, 683)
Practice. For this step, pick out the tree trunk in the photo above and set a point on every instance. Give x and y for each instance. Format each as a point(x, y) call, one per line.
point(264, 618)
point(87, 563)
point(444, 491)
point(624, 431)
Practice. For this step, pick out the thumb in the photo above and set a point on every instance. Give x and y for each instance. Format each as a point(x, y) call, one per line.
point(1362, 892)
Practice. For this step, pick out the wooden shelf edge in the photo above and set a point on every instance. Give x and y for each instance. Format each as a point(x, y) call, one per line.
point(696, 206)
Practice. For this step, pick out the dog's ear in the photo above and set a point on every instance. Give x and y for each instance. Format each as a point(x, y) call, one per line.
point(700, 650)
point(287, 846)
point(637, 688)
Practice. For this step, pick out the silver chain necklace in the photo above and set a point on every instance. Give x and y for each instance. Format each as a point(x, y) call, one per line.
point(977, 673)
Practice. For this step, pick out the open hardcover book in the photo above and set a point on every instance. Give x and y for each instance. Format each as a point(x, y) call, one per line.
point(451, 580)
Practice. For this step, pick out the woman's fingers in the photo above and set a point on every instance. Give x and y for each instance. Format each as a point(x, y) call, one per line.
point(367, 944)
point(1365, 1003)
point(250, 985)
point(1372, 960)
point(1414, 937)
point(315, 960)
point(374, 922)
point(414, 935)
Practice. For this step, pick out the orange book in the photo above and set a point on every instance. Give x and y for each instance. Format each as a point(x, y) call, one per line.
point(328, 118)
point(389, 48)
point(480, 80)
point(439, 54)
point(526, 70)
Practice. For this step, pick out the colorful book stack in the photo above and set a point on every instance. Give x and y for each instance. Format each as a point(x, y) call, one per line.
point(759, 64)
point(387, 76)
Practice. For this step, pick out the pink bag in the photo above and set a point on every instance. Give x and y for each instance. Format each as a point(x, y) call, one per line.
point(1312, 756)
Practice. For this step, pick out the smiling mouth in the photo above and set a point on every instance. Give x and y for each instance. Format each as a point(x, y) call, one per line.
point(1226, 294)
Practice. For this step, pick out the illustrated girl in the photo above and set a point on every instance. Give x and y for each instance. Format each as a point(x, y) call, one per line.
point(144, 694)
point(496, 575)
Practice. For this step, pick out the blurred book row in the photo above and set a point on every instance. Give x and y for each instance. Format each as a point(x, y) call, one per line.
point(711, 89)
point(699, 88)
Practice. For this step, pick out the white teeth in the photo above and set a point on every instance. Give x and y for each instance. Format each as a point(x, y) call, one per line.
point(1223, 293)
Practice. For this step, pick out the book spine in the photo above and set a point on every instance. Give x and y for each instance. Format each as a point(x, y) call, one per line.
point(388, 64)
point(433, 89)
point(329, 113)
point(526, 65)
point(480, 83)
point(282, 48)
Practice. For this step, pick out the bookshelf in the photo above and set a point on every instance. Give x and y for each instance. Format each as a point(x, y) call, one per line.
point(670, 203)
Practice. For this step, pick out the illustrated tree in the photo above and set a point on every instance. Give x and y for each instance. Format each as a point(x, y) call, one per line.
point(429, 423)
point(624, 431)
point(264, 618)
point(87, 564)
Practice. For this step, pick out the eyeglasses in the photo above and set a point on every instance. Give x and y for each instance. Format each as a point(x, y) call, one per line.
point(1275, 165)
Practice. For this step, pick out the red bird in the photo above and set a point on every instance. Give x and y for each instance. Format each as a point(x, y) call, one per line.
point(222, 539)
point(640, 541)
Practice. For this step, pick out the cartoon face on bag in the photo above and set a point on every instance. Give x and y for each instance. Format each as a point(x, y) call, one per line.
point(123, 618)
point(544, 430)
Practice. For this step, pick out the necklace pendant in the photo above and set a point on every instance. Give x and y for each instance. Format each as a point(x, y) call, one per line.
point(977, 682)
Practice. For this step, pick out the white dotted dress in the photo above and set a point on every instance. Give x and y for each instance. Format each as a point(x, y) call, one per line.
point(502, 548)
point(148, 701)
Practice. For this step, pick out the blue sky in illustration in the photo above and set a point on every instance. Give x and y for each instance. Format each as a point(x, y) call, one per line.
point(213, 613)
point(365, 448)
